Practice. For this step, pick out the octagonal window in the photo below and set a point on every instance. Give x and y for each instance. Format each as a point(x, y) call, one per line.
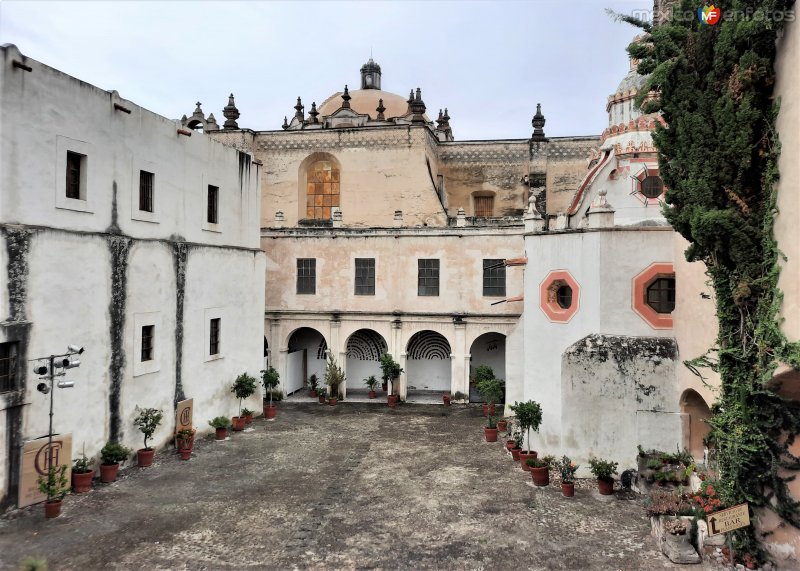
point(661, 295)
point(559, 296)
point(564, 297)
point(652, 186)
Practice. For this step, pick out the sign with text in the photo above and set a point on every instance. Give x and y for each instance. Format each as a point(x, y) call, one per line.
point(183, 414)
point(728, 520)
point(34, 464)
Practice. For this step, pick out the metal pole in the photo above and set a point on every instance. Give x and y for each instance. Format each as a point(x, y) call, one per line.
point(50, 431)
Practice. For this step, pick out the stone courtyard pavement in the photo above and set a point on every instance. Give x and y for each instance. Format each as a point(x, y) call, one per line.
point(356, 486)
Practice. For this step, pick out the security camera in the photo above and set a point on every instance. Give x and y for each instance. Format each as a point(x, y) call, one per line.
point(43, 388)
point(65, 384)
point(75, 349)
point(60, 362)
point(72, 363)
point(40, 369)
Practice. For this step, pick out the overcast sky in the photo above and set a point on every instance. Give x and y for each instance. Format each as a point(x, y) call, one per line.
point(488, 62)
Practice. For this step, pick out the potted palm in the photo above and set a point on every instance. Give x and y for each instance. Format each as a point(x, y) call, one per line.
point(390, 372)
point(529, 417)
point(147, 421)
point(372, 384)
point(243, 387)
point(604, 471)
point(82, 474)
point(490, 430)
point(55, 487)
point(334, 377)
point(185, 439)
point(111, 455)
point(489, 387)
point(220, 425)
point(313, 385)
point(270, 379)
point(567, 468)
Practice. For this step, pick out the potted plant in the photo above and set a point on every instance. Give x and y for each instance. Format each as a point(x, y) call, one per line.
point(55, 487)
point(185, 439)
point(446, 399)
point(489, 387)
point(490, 430)
point(243, 387)
point(390, 372)
point(502, 425)
point(270, 379)
point(372, 384)
point(82, 474)
point(540, 471)
point(111, 455)
point(567, 469)
point(604, 471)
point(247, 415)
point(321, 394)
point(334, 377)
point(220, 425)
point(313, 385)
point(147, 421)
point(529, 417)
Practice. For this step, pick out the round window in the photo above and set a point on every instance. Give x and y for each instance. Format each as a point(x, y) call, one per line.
point(564, 297)
point(661, 295)
point(652, 186)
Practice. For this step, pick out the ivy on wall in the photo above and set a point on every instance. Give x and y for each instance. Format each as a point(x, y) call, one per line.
point(713, 84)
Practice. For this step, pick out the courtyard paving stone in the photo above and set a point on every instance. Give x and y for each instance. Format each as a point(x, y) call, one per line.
point(356, 486)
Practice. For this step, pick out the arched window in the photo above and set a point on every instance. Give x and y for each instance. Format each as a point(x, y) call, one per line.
point(322, 189)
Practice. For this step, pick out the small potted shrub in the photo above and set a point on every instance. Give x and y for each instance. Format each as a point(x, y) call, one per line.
point(321, 395)
point(220, 425)
point(270, 379)
point(489, 387)
point(604, 471)
point(147, 422)
point(567, 469)
point(502, 425)
point(55, 487)
point(82, 474)
point(111, 456)
point(490, 430)
point(540, 471)
point(313, 385)
point(334, 377)
point(390, 372)
point(372, 384)
point(529, 417)
point(185, 439)
point(247, 415)
point(243, 387)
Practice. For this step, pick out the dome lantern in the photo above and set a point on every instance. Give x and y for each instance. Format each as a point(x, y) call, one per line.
point(370, 75)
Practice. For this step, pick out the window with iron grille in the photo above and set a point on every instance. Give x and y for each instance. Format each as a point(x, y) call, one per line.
point(213, 204)
point(8, 366)
point(213, 337)
point(652, 186)
point(564, 297)
point(146, 191)
point(147, 342)
point(307, 276)
point(661, 295)
point(365, 276)
point(484, 206)
point(74, 164)
point(428, 277)
point(494, 278)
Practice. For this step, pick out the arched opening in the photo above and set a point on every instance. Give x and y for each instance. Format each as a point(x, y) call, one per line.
point(319, 187)
point(488, 349)
point(267, 361)
point(428, 371)
point(695, 429)
point(308, 352)
point(364, 350)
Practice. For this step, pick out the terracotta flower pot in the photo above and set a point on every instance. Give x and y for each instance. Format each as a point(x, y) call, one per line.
point(52, 508)
point(502, 425)
point(248, 418)
point(490, 434)
point(605, 486)
point(186, 453)
point(526, 455)
point(510, 444)
point(144, 457)
point(322, 398)
point(446, 399)
point(541, 476)
point(270, 411)
point(238, 423)
point(392, 400)
point(221, 433)
point(313, 394)
point(488, 409)
point(372, 394)
point(515, 454)
point(82, 482)
point(108, 472)
point(568, 489)
point(332, 401)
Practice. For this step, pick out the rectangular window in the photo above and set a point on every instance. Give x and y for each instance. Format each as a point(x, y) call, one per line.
point(213, 204)
point(147, 342)
point(74, 165)
point(8, 366)
point(494, 278)
point(484, 206)
point(365, 276)
point(146, 191)
point(307, 276)
point(428, 277)
point(213, 337)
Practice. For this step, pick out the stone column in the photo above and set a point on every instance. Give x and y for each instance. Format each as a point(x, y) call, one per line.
point(457, 374)
point(403, 389)
point(334, 346)
point(282, 366)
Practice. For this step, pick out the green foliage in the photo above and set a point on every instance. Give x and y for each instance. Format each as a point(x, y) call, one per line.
point(54, 485)
point(220, 422)
point(459, 396)
point(185, 434)
point(490, 422)
point(313, 382)
point(567, 469)
point(114, 453)
point(246, 412)
point(603, 469)
point(82, 465)
point(243, 387)
point(491, 389)
point(483, 373)
point(147, 421)
point(390, 370)
point(718, 159)
point(34, 564)
point(550, 460)
point(537, 463)
point(270, 379)
point(334, 376)
point(371, 382)
point(529, 416)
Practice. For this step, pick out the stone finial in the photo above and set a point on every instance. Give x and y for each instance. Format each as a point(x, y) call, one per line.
point(285, 123)
point(298, 110)
point(380, 109)
point(231, 114)
point(601, 213)
point(538, 122)
point(211, 123)
point(346, 98)
point(461, 218)
point(443, 130)
point(417, 107)
point(313, 113)
point(198, 113)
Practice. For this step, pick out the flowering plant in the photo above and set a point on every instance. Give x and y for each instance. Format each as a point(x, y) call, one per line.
point(567, 468)
point(706, 497)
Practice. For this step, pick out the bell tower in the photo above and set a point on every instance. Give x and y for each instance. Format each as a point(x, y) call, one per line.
point(370, 75)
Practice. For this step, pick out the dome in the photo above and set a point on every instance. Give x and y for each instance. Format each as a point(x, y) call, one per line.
point(633, 81)
point(365, 101)
point(370, 66)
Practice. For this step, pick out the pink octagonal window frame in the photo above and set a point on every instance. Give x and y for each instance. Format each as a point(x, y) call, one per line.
point(548, 302)
point(640, 283)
